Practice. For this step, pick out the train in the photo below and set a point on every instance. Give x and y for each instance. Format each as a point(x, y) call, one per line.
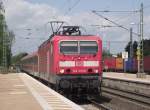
point(69, 61)
point(121, 65)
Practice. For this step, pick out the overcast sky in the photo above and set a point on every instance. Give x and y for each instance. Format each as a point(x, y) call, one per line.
point(28, 18)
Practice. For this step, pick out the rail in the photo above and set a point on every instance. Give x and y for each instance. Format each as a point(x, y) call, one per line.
point(132, 96)
point(100, 106)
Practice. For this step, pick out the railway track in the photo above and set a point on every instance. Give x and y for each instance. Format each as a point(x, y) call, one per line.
point(140, 99)
point(100, 106)
point(137, 98)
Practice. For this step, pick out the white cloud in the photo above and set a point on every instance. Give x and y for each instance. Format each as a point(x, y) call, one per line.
point(21, 15)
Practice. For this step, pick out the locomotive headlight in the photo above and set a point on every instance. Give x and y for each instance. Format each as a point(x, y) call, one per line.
point(62, 71)
point(96, 71)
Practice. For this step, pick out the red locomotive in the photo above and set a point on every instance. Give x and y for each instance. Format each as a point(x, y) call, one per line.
point(68, 60)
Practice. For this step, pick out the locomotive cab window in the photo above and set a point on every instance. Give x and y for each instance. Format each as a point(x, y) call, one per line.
point(88, 47)
point(69, 47)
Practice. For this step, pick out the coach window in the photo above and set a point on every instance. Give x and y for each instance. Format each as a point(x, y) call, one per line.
point(69, 47)
point(51, 48)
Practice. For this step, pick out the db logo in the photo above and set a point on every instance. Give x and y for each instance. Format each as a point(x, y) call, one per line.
point(79, 63)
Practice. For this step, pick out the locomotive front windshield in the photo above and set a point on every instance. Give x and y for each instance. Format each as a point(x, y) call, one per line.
point(78, 47)
point(69, 47)
point(88, 47)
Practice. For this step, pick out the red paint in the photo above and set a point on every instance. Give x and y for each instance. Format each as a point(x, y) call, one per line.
point(31, 67)
point(110, 63)
point(147, 63)
point(49, 57)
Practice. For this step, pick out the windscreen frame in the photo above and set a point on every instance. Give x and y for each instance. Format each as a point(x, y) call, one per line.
point(78, 46)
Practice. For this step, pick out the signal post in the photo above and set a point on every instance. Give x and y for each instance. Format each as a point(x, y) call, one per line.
point(140, 56)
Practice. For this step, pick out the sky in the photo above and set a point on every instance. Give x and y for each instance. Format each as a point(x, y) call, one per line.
point(29, 20)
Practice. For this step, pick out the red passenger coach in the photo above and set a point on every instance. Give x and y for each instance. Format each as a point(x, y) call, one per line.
point(30, 63)
point(71, 61)
point(110, 64)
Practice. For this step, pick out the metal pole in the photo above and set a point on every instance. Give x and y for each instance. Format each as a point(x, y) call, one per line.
point(4, 57)
point(131, 44)
point(142, 23)
point(140, 73)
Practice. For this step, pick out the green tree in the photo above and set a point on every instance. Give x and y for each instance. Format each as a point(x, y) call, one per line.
point(17, 58)
point(6, 34)
point(10, 40)
point(1, 37)
point(106, 53)
point(127, 48)
point(146, 47)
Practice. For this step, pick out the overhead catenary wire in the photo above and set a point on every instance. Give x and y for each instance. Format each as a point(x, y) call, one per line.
point(119, 11)
point(113, 22)
point(121, 19)
point(103, 26)
point(117, 41)
point(32, 38)
point(64, 4)
point(122, 12)
point(148, 6)
point(73, 6)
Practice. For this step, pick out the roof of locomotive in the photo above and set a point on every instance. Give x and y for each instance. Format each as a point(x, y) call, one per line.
point(68, 37)
point(81, 37)
point(30, 56)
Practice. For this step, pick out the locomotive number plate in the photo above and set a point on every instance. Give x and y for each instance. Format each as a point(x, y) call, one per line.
point(79, 63)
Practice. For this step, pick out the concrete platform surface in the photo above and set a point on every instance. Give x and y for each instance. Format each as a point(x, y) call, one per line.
point(126, 76)
point(18, 91)
point(14, 95)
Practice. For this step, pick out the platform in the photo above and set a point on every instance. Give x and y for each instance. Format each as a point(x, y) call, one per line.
point(18, 91)
point(126, 76)
point(127, 82)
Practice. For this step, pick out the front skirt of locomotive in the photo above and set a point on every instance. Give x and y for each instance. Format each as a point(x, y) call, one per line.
point(89, 84)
